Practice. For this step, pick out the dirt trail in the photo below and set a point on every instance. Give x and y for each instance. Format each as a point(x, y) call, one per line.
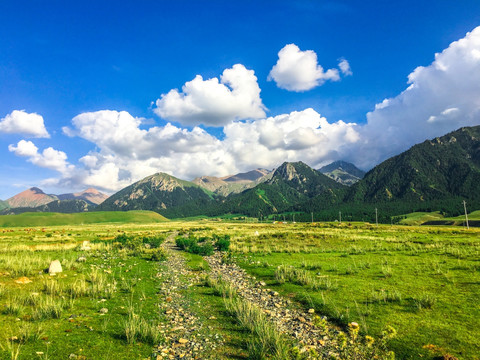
point(182, 332)
point(293, 322)
point(186, 337)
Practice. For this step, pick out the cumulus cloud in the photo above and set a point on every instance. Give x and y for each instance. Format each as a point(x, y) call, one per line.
point(344, 66)
point(212, 102)
point(440, 98)
point(298, 70)
point(300, 135)
point(49, 158)
point(126, 153)
point(21, 122)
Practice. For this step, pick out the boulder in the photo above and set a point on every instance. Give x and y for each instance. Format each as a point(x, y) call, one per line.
point(55, 267)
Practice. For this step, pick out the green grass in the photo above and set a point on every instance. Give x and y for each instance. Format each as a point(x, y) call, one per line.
point(60, 315)
point(435, 218)
point(95, 217)
point(423, 281)
point(418, 218)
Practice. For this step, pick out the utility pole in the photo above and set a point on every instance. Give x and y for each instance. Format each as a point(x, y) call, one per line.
point(466, 216)
point(340, 216)
point(376, 216)
point(312, 217)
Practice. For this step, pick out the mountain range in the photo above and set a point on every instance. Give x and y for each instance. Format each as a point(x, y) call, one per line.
point(436, 174)
point(343, 172)
point(34, 199)
point(443, 167)
point(233, 184)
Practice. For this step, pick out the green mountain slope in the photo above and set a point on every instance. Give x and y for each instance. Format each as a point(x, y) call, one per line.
point(159, 192)
point(343, 172)
point(290, 184)
point(448, 166)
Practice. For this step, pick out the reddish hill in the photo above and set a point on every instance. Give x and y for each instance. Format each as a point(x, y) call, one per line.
point(32, 197)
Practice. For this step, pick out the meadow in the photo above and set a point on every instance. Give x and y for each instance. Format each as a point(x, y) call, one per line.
point(422, 281)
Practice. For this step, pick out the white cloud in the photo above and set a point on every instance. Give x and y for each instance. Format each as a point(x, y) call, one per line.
point(49, 158)
point(21, 122)
point(440, 98)
point(300, 135)
point(344, 66)
point(298, 70)
point(127, 153)
point(212, 102)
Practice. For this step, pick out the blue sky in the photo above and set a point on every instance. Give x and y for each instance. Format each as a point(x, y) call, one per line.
point(63, 59)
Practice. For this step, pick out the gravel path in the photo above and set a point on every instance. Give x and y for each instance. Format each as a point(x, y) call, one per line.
point(186, 337)
point(296, 323)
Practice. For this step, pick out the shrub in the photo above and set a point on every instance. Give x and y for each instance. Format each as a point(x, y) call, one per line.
point(154, 241)
point(222, 243)
point(191, 245)
point(155, 254)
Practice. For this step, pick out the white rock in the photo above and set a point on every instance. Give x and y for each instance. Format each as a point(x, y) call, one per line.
point(55, 267)
point(85, 246)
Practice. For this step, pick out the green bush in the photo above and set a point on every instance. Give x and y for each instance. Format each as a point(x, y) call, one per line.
point(156, 254)
point(222, 243)
point(131, 242)
point(191, 245)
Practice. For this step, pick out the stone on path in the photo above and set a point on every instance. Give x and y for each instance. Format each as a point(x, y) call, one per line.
point(55, 267)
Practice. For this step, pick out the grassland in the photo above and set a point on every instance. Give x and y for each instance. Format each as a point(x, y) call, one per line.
point(423, 281)
point(85, 309)
point(435, 218)
point(55, 219)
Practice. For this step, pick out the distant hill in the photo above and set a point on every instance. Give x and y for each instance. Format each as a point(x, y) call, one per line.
point(447, 166)
point(343, 172)
point(57, 206)
point(90, 195)
point(158, 192)
point(233, 184)
point(32, 197)
point(96, 217)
